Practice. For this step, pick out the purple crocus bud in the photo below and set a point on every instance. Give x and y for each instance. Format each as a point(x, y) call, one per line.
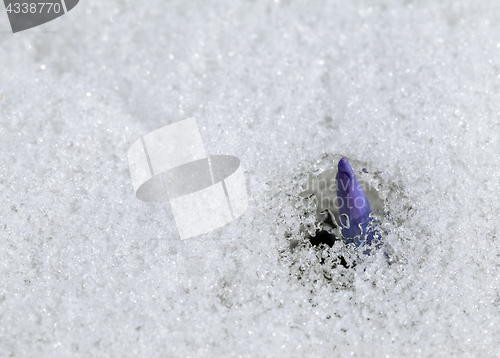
point(352, 202)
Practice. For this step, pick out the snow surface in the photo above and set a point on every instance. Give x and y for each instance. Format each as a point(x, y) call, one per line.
point(406, 88)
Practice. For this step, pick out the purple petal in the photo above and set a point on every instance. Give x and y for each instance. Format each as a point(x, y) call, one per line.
point(352, 200)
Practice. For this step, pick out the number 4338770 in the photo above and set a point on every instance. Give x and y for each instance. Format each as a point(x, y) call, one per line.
point(33, 8)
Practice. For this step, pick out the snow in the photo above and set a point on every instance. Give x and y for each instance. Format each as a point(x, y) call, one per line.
point(406, 89)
